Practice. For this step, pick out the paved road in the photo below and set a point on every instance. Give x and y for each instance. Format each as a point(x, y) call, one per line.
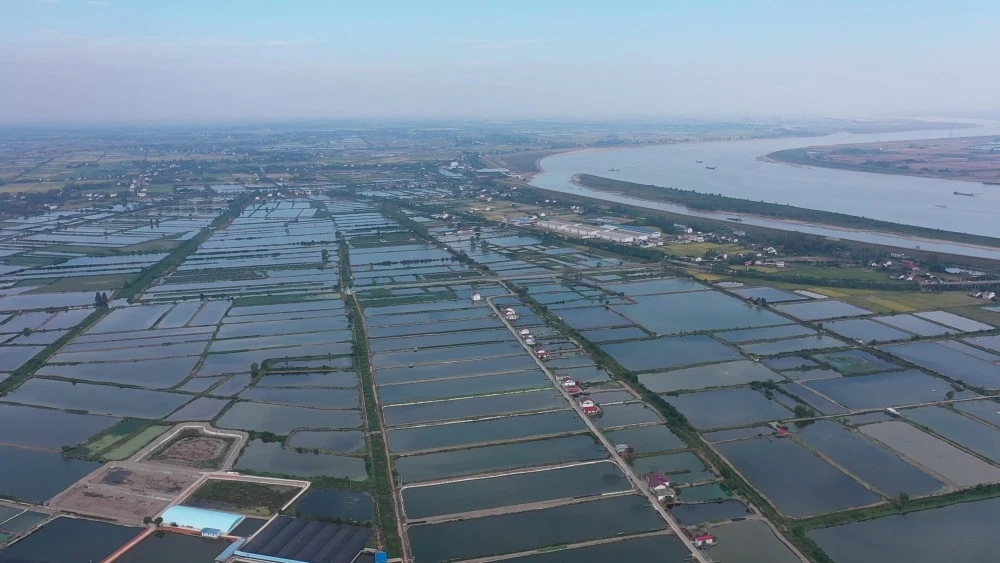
point(625, 467)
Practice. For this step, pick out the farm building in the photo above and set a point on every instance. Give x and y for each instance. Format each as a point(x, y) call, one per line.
point(210, 523)
point(297, 540)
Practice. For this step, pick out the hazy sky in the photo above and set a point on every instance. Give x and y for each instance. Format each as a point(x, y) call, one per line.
point(119, 60)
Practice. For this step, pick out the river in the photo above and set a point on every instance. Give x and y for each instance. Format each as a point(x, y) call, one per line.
point(739, 173)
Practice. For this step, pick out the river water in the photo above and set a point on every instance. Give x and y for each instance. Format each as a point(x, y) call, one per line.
point(739, 173)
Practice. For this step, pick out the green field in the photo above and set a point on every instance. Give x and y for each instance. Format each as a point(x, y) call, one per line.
point(129, 447)
point(240, 496)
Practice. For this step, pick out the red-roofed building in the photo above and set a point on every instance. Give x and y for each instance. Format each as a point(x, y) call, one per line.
point(703, 539)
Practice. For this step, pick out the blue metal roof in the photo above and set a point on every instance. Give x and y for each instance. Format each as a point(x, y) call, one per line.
point(200, 518)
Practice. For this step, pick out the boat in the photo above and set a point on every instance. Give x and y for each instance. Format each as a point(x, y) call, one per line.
point(942, 206)
point(989, 183)
point(733, 219)
point(699, 161)
point(965, 194)
point(710, 167)
point(612, 170)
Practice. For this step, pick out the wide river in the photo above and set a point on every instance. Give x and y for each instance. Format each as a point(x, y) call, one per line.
point(739, 173)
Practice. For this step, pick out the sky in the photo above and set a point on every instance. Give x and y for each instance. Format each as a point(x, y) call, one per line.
point(111, 61)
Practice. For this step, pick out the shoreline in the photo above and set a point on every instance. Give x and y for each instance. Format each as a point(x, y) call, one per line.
point(791, 222)
point(849, 168)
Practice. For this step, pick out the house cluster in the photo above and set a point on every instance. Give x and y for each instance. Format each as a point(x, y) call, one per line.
point(987, 295)
point(621, 234)
point(659, 484)
point(700, 538)
point(510, 314)
point(589, 407)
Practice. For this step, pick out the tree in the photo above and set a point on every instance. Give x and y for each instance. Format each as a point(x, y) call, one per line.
point(147, 520)
point(903, 499)
point(158, 521)
point(100, 300)
point(949, 395)
point(325, 255)
point(802, 411)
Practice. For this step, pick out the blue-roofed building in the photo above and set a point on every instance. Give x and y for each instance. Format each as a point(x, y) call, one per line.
point(296, 540)
point(206, 522)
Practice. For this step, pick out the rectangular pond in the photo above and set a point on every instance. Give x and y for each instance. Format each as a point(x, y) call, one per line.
point(282, 419)
point(473, 407)
point(821, 310)
point(721, 408)
point(98, 399)
point(465, 386)
point(797, 482)
point(488, 430)
point(715, 375)
point(271, 457)
point(470, 495)
point(967, 432)
point(669, 352)
point(947, 361)
point(881, 390)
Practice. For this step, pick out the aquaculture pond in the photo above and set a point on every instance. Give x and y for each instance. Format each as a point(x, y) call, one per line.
point(625, 414)
point(715, 375)
point(170, 548)
point(321, 398)
point(916, 325)
point(821, 310)
point(45, 428)
point(697, 311)
point(768, 333)
point(550, 451)
point(693, 514)
point(933, 453)
point(487, 430)
point(962, 430)
point(328, 440)
point(720, 408)
point(202, 408)
point(769, 294)
point(282, 419)
point(470, 495)
point(473, 407)
point(882, 389)
point(98, 399)
point(751, 541)
point(947, 361)
point(464, 386)
point(647, 439)
point(466, 367)
point(959, 532)
point(37, 476)
point(877, 466)
point(336, 503)
point(855, 362)
point(815, 342)
point(664, 548)
point(954, 321)
point(866, 330)
point(71, 540)
point(523, 531)
point(663, 353)
point(270, 457)
point(682, 467)
point(345, 379)
point(797, 482)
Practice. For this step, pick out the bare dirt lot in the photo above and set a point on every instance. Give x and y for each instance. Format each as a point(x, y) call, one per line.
point(125, 494)
point(203, 452)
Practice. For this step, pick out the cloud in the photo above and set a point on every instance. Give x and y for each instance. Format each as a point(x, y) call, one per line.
point(98, 3)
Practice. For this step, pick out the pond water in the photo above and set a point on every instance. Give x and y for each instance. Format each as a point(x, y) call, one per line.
point(700, 377)
point(751, 541)
point(473, 407)
point(678, 351)
point(696, 311)
point(683, 467)
point(523, 531)
point(506, 364)
point(647, 439)
point(882, 389)
point(345, 441)
point(815, 342)
point(870, 462)
point(727, 407)
point(440, 339)
point(457, 387)
point(916, 325)
point(100, 399)
point(986, 409)
point(769, 294)
point(933, 453)
point(336, 503)
point(821, 310)
point(391, 331)
point(270, 457)
point(157, 374)
point(199, 384)
point(170, 548)
point(704, 493)
point(625, 414)
point(500, 457)
point(866, 330)
point(435, 355)
point(202, 408)
point(949, 362)
point(585, 374)
point(71, 540)
point(855, 362)
point(797, 482)
point(493, 492)
point(323, 398)
point(789, 363)
point(282, 419)
point(954, 321)
point(592, 317)
point(814, 399)
point(769, 333)
point(612, 334)
point(960, 532)
point(46, 428)
point(662, 548)
point(36, 476)
point(649, 287)
point(694, 514)
point(344, 379)
point(964, 431)
point(489, 430)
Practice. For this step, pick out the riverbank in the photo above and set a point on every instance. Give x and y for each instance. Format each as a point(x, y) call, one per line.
point(724, 204)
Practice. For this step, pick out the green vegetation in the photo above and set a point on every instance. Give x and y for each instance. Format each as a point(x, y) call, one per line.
point(713, 202)
point(131, 446)
point(242, 496)
point(20, 374)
